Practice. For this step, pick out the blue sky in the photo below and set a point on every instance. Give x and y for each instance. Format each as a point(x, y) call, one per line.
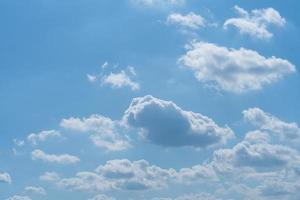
point(149, 99)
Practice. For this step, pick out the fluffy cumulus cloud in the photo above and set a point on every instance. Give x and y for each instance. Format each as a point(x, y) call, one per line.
point(5, 178)
point(256, 151)
point(120, 80)
point(120, 175)
point(164, 123)
point(17, 197)
point(53, 158)
point(35, 138)
point(234, 70)
point(104, 132)
point(257, 22)
point(158, 3)
point(268, 122)
point(190, 21)
point(102, 197)
point(35, 190)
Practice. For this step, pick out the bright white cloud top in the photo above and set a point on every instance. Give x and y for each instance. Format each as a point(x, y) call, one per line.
point(257, 22)
point(234, 70)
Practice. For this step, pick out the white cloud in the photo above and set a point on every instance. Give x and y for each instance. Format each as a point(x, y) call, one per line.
point(120, 175)
point(19, 143)
point(5, 178)
point(104, 131)
point(35, 190)
point(268, 122)
point(102, 197)
point(191, 20)
point(234, 70)
point(198, 173)
point(50, 176)
point(52, 158)
point(17, 197)
point(119, 80)
point(256, 22)
point(258, 153)
point(166, 124)
point(158, 3)
point(35, 138)
point(91, 78)
point(201, 196)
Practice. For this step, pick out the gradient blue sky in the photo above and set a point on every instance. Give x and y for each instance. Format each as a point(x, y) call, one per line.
point(49, 47)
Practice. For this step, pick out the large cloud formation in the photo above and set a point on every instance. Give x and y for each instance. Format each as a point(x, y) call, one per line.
point(234, 70)
point(164, 123)
point(256, 22)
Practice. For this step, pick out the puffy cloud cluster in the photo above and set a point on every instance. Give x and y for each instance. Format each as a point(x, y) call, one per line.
point(256, 22)
point(164, 123)
point(105, 133)
point(234, 70)
point(53, 158)
point(268, 122)
point(120, 175)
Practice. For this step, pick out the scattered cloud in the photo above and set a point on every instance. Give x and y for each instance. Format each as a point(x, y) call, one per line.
point(104, 131)
point(120, 80)
point(5, 178)
point(52, 158)
point(50, 176)
point(17, 197)
point(234, 70)
point(35, 138)
point(201, 196)
point(268, 122)
point(35, 190)
point(257, 22)
point(158, 3)
point(256, 151)
point(120, 175)
point(102, 197)
point(117, 79)
point(166, 124)
point(190, 21)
